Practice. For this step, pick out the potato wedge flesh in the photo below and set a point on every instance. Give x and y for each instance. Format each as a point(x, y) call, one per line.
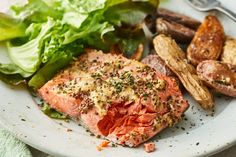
point(176, 60)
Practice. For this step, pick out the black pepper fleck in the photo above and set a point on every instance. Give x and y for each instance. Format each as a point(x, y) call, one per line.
point(68, 130)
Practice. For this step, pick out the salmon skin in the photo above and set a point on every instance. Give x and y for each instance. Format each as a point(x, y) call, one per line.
point(122, 100)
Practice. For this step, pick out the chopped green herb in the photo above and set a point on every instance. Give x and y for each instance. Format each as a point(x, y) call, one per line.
point(149, 85)
point(119, 87)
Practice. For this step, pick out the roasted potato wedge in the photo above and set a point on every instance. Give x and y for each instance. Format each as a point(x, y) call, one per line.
point(179, 32)
point(208, 41)
point(176, 60)
point(218, 75)
point(229, 51)
point(179, 18)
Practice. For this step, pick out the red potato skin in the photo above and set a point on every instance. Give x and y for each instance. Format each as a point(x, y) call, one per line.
point(219, 76)
point(178, 18)
point(179, 32)
point(158, 64)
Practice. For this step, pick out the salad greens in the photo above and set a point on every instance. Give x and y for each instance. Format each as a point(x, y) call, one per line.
point(51, 112)
point(10, 27)
point(43, 36)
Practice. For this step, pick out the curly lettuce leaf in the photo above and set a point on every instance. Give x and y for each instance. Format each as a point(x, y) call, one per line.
point(74, 19)
point(86, 6)
point(92, 25)
point(53, 42)
point(113, 14)
point(33, 30)
point(27, 56)
point(37, 11)
point(49, 45)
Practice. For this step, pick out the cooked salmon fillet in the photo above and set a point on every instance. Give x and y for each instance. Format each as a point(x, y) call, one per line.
point(122, 100)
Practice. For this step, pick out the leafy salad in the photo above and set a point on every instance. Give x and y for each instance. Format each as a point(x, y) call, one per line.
point(43, 36)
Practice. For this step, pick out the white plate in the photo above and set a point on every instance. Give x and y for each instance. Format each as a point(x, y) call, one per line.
point(200, 133)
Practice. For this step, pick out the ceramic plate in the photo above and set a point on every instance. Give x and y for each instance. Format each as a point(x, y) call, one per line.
point(200, 133)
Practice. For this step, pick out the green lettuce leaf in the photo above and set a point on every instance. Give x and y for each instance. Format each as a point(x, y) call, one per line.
point(74, 19)
point(130, 12)
point(36, 11)
point(52, 113)
point(86, 6)
point(44, 74)
point(33, 30)
point(27, 56)
point(15, 79)
point(11, 68)
point(52, 32)
point(10, 28)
